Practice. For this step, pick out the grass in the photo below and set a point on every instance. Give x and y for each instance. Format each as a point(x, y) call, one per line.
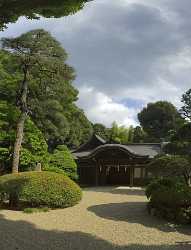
point(31, 210)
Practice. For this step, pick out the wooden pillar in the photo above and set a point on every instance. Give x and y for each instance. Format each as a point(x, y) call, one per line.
point(96, 173)
point(131, 176)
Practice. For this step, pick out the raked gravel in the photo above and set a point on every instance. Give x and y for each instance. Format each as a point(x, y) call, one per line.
point(107, 218)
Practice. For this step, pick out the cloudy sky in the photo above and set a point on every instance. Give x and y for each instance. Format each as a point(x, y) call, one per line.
point(126, 53)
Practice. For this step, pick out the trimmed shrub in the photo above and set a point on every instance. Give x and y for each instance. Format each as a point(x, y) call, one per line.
point(171, 199)
point(63, 159)
point(54, 169)
point(39, 189)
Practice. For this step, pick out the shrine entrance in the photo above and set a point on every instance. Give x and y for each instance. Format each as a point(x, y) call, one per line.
point(112, 165)
point(115, 174)
point(118, 175)
point(101, 163)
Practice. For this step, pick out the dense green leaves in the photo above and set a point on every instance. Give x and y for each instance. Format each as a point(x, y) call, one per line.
point(34, 148)
point(51, 97)
point(139, 135)
point(180, 142)
point(63, 159)
point(11, 10)
point(170, 199)
point(39, 189)
point(171, 166)
point(121, 134)
point(159, 119)
point(102, 131)
point(186, 109)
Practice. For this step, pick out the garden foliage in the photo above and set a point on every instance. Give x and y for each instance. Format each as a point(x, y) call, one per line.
point(62, 159)
point(170, 199)
point(39, 189)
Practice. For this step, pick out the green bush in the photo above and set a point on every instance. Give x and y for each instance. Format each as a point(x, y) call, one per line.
point(171, 198)
point(54, 169)
point(63, 159)
point(37, 189)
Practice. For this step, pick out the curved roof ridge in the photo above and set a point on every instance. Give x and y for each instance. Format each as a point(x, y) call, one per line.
point(124, 147)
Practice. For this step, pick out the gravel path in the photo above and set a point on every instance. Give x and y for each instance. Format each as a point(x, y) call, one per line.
point(106, 219)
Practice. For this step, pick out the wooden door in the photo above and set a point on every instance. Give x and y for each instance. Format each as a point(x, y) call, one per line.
point(118, 176)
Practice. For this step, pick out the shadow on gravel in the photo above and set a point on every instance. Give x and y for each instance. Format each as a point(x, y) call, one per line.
point(135, 212)
point(21, 235)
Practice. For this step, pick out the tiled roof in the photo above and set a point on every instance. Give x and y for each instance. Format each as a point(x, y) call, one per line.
point(140, 150)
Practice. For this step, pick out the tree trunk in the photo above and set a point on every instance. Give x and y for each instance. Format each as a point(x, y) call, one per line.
point(22, 104)
point(18, 143)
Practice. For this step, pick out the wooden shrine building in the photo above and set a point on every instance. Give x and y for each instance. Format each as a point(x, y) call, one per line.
point(102, 163)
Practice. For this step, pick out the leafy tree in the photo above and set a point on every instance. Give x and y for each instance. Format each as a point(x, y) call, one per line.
point(51, 105)
point(43, 90)
point(171, 166)
point(63, 159)
point(180, 143)
point(139, 135)
point(121, 134)
point(159, 119)
point(101, 130)
point(80, 128)
point(34, 147)
point(36, 53)
point(131, 134)
point(186, 109)
point(11, 10)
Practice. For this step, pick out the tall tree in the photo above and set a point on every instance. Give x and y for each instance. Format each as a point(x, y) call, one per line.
point(186, 108)
point(51, 105)
point(40, 55)
point(159, 119)
point(121, 134)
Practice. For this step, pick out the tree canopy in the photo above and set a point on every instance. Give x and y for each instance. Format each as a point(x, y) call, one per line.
point(180, 142)
point(159, 119)
point(11, 10)
point(51, 96)
point(171, 166)
point(186, 108)
point(121, 134)
point(37, 82)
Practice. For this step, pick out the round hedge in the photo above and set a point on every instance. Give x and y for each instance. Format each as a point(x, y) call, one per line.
point(40, 189)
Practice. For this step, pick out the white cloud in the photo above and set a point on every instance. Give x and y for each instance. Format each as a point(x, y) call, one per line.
point(102, 109)
point(124, 49)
